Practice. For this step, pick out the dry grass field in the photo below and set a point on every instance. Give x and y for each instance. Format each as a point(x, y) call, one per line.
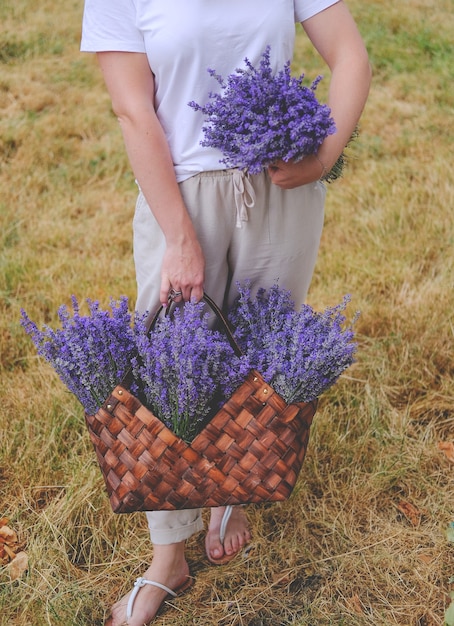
point(363, 540)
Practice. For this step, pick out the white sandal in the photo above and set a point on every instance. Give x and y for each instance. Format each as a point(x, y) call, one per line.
point(141, 582)
point(224, 522)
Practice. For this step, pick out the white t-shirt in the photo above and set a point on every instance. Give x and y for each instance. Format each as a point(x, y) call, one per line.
point(182, 39)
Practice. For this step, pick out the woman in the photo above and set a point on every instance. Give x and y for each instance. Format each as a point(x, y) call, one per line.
point(197, 225)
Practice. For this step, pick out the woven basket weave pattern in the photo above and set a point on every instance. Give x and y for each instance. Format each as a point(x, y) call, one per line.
point(250, 452)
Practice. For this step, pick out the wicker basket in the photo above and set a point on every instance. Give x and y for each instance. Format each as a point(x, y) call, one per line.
point(250, 452)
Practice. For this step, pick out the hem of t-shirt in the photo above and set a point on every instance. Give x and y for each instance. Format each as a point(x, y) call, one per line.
point(183, 172)
point(321, 6)
point(113, 45)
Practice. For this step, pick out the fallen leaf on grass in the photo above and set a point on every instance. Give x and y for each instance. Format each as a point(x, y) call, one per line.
point(411, 512)
point(11, 555)
point(7, 553)
point(425, 558)
point(448, 448)
point(8, 541)
point(18, 565)
point(354, 604)
point(7, 535)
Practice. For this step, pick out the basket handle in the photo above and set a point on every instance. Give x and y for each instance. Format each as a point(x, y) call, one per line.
point(128, 377)
point(216, 310)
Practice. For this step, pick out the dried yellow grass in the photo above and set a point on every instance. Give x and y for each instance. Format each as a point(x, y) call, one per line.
point(346, 549)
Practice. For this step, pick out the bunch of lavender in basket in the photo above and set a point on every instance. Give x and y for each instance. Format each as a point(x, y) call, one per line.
point(299, 353)
point(90, 353)
point(187, 371)
point(183, 370)
point(260, 117)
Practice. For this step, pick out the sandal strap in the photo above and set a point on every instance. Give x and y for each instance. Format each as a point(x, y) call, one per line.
point(224, 522)
point(141, 582)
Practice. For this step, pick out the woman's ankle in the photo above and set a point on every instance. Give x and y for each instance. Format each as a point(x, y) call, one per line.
point(169, 560)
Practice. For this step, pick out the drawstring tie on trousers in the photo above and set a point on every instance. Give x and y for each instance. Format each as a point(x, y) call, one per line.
point(244, 196)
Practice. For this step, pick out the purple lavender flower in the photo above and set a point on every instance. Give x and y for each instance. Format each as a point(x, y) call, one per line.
point(300, 354)
point(90, 353)
point(259, 117)
point(187, 371)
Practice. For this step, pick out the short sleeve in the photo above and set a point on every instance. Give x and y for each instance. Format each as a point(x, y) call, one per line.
point(304, 9)
point(110, 25)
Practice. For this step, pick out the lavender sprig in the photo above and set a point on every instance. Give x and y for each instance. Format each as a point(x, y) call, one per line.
point(90, 353)
point(300, 354)
point(187, 371)
point(259, 117)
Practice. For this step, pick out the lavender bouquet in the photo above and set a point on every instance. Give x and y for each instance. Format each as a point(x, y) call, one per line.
point(259, 117)
point(92, 353)
point(299, 353)
point(186, 370)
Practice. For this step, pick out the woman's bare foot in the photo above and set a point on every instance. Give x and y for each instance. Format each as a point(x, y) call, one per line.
point(237, 535)
point(168, 567)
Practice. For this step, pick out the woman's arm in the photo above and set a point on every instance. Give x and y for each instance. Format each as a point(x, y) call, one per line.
point(335, 36)
point(130, 83)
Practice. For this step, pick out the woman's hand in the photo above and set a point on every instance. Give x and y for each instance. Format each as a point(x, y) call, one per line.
point(288, 174)
point(183, 270)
